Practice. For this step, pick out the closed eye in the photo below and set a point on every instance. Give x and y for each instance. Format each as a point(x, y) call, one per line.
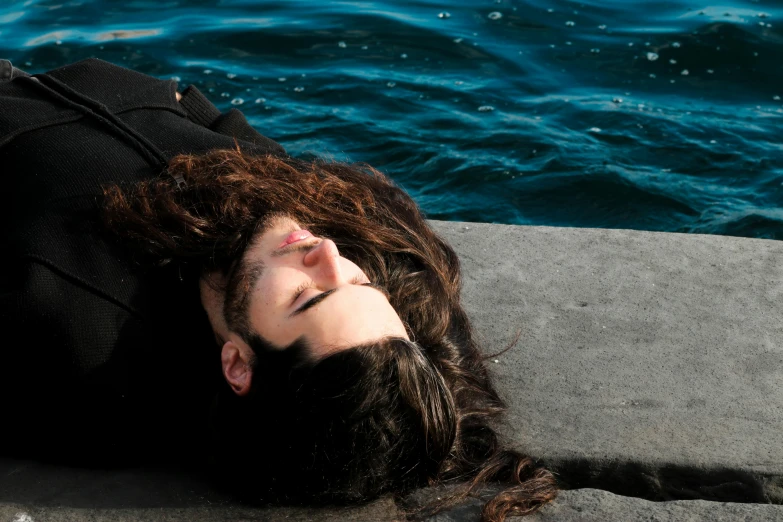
point(323, 295)
point(301, 288)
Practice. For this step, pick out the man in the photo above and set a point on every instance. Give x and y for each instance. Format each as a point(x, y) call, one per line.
point(95, 341)
point(347, 367)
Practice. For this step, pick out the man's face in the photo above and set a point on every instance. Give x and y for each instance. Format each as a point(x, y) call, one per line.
point(302, 287)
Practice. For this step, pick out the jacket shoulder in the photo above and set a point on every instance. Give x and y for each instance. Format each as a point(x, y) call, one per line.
point(117, 87)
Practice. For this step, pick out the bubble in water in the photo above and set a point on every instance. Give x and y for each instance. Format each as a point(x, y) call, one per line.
point(390, 84)
point(672, 61)
point(595, 50)
point(672, 81)
point(676, 45)
point(237, 101)
point(207, 71)
point(685, 72)
point(260, 100)
point(458, 82)
point(617, 100)
point(602, 27)
point(552, 46)
point(570, 23)
point(713, 141)
point(486, 108)
point(593, 129)
point(457, 40)
point(550, 10)
point(176, 78)
point(652, 75)
point(762, 15)
point(298, 89)
point(494, 15)
point(342, 45)
point(630, 44)
point(568, 43)
point(652, 56)
point(364, 47)
point(58, 42)
point(755, 54)
point(231, 76)
point(282, 79)
point(403, 56)
point(255, 78)
point(776, 98)
point(225, 94)
point(710, 71)
point(444, 14)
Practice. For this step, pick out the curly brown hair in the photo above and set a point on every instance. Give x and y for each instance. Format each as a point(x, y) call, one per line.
point(388, 417)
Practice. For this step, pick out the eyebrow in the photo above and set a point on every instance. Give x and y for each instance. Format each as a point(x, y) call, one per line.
point(320, 297)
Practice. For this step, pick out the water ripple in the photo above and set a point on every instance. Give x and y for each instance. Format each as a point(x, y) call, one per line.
point(530, 112)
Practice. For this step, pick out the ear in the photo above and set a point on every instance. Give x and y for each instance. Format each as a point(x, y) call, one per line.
point(236, 357)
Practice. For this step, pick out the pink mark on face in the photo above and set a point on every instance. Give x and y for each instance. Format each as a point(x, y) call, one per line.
point(293, 237)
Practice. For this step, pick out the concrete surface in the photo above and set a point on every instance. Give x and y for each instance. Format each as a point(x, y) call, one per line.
point(581, 505)
point(649, 365)
point(593, 505)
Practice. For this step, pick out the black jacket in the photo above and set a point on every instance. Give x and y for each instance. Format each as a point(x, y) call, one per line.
point(97, 354)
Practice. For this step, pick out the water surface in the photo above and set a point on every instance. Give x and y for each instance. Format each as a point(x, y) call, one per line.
point(644, 115)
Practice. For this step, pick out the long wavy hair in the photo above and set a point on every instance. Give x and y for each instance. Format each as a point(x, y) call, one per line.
point(389, 417)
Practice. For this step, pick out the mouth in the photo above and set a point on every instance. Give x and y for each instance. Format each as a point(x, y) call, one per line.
point(294, 237)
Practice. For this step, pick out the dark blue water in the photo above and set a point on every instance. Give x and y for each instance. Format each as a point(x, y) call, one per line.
point(624, 114)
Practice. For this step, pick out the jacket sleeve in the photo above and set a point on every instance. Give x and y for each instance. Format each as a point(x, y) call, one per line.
point(232, 123)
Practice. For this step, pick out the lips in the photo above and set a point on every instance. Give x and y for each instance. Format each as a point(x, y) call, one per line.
point(293, 237)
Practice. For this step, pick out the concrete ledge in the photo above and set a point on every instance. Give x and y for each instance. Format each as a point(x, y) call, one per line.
point(581, 505)
point(592, 505)
point(649, 365)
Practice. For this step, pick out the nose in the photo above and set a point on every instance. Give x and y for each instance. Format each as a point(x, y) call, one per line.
point(324, 259)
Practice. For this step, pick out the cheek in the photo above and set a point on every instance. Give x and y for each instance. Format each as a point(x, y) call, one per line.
point(267, 309)
point(271, 293)
point(350, 269)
